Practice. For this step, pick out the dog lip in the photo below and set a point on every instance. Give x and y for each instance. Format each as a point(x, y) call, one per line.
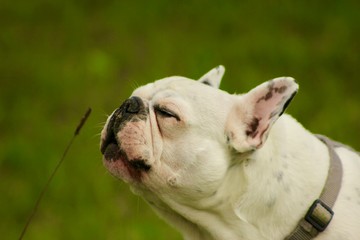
point(109, 139)
point(139, 164)
point(111, 152)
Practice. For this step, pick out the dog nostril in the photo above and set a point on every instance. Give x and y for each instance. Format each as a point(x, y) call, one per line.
point(133, 105)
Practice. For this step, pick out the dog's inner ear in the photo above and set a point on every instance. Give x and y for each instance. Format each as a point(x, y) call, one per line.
point(254, 113)
point(213, 77)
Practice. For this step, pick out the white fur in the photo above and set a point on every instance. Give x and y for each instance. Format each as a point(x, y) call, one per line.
point(210, 184)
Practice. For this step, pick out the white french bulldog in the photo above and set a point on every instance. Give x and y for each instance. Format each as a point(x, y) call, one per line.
point(222, 166)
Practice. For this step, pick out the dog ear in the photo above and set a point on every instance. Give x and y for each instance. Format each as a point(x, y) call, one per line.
point(213, 77)
point(254, 113)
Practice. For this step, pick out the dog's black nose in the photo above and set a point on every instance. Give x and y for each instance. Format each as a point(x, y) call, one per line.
point(133, 105)
point(130, 108)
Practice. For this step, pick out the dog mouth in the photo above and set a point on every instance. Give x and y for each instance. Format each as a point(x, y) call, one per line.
point(112, 153)
point(114, 156)
point(119, 142)
point(109, 146)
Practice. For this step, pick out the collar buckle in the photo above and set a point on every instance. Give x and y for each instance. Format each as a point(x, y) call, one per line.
point(319, 215)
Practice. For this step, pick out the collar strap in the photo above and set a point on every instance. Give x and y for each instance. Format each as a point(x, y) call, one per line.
point(320, 213)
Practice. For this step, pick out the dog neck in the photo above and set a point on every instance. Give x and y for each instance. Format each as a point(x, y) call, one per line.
point(281, 181)
point(273, 186)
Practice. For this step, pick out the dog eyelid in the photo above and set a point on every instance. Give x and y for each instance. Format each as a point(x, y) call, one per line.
point(165, 112)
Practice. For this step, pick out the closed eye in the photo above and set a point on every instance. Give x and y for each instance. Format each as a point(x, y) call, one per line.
point(165, 112)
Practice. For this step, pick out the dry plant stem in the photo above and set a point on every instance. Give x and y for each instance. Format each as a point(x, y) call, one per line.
point(77, 131)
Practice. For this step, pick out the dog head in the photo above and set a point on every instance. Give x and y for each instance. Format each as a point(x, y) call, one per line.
point(178, 136)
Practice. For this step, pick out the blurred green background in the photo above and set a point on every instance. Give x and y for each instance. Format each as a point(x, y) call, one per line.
point(59, 57)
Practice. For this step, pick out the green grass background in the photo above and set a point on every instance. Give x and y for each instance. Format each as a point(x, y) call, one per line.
point(59, 57)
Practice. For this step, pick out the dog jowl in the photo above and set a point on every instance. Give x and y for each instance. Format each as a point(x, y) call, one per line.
point(225, 166)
